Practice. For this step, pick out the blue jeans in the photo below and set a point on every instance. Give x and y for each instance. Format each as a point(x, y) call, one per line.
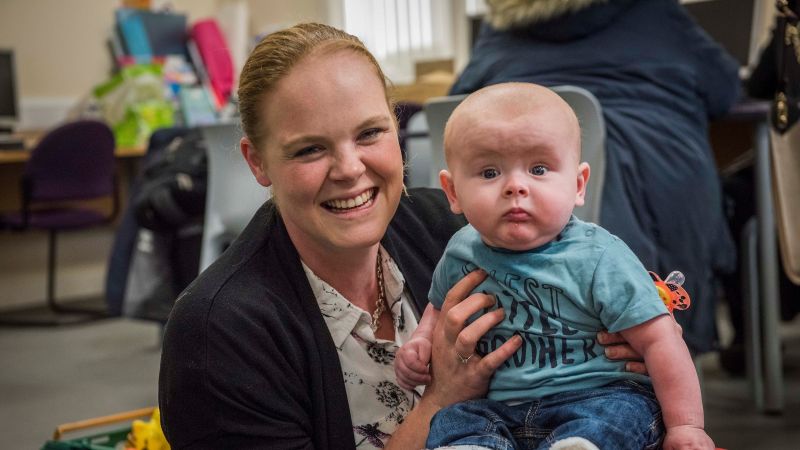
point(622, 415)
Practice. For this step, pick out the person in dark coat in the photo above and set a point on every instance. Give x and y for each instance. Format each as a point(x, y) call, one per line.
point(659, 79)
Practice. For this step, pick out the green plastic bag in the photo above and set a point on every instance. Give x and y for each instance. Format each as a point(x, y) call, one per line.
point(134, 103)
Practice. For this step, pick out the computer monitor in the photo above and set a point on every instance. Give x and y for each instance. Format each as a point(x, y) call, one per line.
point(9, 108)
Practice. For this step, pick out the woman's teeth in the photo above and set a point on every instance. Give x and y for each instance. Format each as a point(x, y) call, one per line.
point(351, 202)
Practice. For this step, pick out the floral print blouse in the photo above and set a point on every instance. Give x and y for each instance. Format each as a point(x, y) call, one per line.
point(377, 404)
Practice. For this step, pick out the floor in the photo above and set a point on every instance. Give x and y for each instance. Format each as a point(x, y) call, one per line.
point(56, 375)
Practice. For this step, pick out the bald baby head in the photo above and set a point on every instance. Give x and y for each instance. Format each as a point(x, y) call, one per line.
point(513, 164)
point(509, 108)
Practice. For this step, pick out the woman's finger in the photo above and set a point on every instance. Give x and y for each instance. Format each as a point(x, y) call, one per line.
point(606, 338)
point(489, 363)
point(472, 333)
point(622, 352)
point(636, 367)
point(460, 313)
point(461, 289)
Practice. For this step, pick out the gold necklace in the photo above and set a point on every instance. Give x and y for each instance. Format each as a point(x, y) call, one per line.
point(380, 305)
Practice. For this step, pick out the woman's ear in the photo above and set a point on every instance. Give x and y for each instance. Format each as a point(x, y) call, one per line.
point(583, 179)
point(446, 180)
point(255, 161)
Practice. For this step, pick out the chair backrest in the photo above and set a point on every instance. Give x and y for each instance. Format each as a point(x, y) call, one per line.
point(72, 162)
point(593, 146)
point(233, 194)
point(418, 152)
point(593, 138)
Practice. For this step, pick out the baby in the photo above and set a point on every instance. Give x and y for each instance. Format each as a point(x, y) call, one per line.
point(513, 153)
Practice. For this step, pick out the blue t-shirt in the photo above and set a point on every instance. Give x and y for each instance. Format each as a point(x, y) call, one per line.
point(556, 297)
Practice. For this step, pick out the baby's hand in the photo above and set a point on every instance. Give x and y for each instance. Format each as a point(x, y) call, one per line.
point(411, 363)
point(687, 437)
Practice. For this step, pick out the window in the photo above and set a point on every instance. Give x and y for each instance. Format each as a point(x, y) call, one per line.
point(401, 32)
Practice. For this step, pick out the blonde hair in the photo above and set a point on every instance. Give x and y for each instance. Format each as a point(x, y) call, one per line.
point(275, 56)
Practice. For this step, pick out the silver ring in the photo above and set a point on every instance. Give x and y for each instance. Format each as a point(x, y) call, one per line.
point(464, 359)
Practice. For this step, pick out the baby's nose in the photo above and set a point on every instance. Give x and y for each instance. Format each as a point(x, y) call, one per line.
point(514, 188)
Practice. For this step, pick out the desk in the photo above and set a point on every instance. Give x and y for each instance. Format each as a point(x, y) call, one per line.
point(20, 156)
point(760, 266)
point(31, 138)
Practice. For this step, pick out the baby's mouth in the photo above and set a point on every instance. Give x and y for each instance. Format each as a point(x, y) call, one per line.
point(517, 215)
point(358, 201)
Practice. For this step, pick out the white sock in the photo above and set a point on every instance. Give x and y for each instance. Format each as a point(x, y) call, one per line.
point(573, 443)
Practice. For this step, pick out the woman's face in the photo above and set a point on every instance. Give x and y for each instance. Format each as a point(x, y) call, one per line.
point(331, 153)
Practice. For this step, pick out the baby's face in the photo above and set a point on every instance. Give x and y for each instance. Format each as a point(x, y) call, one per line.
point(517, 179)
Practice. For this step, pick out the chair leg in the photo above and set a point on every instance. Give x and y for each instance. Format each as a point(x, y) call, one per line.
point(52, 254)
point(51, 269)
point(54, 314)
point(752, 305)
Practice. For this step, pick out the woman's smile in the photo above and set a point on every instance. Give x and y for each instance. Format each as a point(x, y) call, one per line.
point(351, 203)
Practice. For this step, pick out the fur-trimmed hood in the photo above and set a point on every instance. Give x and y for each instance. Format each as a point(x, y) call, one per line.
point(505, 14)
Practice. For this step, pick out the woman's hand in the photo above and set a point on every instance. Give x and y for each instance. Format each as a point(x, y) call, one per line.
point(458, 373)
point(618, 349)
point(452, 380)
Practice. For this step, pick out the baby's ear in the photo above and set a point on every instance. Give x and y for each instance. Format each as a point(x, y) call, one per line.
point(446, 180)
point(582, 180)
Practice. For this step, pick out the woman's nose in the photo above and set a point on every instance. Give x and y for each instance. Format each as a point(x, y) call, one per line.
point(347, 165)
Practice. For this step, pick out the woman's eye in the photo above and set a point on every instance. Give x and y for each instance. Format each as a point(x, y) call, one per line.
point(306, 151)
point(370, 134)
point(489, 173)
point(538, 170)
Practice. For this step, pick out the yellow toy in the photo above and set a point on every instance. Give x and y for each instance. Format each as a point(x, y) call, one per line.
point(148, 435)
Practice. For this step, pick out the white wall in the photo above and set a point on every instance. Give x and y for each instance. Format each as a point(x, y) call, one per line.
point(60, 49)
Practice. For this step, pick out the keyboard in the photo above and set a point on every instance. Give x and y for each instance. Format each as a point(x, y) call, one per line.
point(9, 142)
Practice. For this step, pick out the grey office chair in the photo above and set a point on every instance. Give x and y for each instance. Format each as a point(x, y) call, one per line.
point(233, 194)
point(418, 152)
point(593, 134)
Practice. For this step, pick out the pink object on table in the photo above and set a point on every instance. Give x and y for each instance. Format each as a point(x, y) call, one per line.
point(216, 57)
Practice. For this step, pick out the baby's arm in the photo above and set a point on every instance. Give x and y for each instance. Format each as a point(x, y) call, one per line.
point(674, 380)
point(411, 361)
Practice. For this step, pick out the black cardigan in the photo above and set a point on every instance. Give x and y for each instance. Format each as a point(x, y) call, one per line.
point(248, 361)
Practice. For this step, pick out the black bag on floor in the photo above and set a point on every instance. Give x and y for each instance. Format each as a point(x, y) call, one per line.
point(173, 190)
point(128, 228)
point(169, 208)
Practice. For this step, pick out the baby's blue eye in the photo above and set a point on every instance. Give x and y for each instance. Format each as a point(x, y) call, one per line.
point(489, 173)
point(538, 170)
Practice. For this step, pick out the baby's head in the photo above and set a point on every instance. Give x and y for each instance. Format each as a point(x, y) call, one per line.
point(513, 152)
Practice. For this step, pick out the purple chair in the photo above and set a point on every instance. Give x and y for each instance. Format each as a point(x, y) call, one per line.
point(72, 163)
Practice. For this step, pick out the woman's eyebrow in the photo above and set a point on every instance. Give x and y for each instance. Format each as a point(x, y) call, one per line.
point(376, 119)
point(294, 142)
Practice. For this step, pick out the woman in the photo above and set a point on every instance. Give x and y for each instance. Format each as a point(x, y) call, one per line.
point(659, 77)
point(288, 340)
